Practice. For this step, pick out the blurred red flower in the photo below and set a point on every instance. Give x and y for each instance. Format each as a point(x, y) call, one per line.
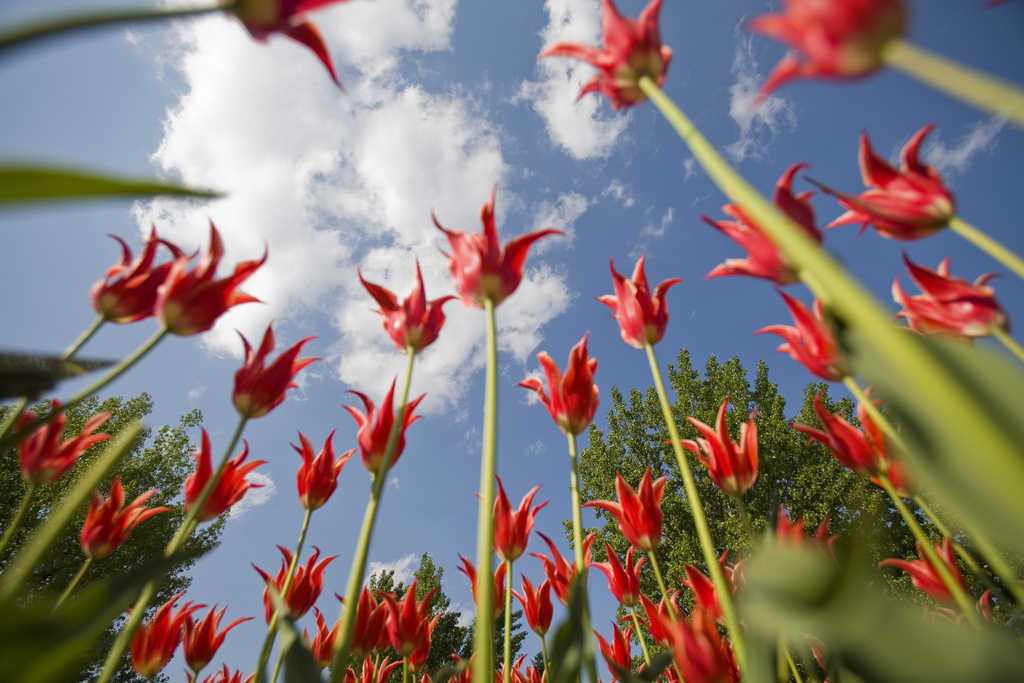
point(107, 525)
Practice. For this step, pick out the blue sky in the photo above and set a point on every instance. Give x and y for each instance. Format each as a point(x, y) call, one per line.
point(443, 99)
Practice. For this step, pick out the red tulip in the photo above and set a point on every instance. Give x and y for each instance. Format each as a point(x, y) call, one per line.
point(512, 527)
point(840, 39)
point(734, 573)
point(638, 512)
point(480, 268)
point(536, 605)
point(811, 343)
point(658, 617)
point(792, 534)
point(228, 490)
point(902, 205)
point(949, 305)
point(416, 322)
point(700, 653)
point(264, 17)
point(498, 585)
point(322, 645)
point(44, 458)
point(418, 659)
point(259, 389)
point(370, 629)
point(561, 573)
point(222, 675)
point(573, 398)
point(731, 464)
point(984, 605)
point(107, 525)
point(189, 302)
point(375, 427)
point(371, 673)
point(132, 295)
point(516, 671)
point(317, 477)
point(642, 317)
point(305, 588)
point(154, 642)
point(924, 575)
point(618, 653)
point(202, 640)
point(409, 621)
point(632, 49)
point(623, 581)
point(704, 593)
point(764, 260)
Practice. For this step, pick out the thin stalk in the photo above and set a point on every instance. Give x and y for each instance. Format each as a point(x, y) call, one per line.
point(781, 668)
point(12, 417)
point(745, 516)
point(661, 583)
point(987, 245)
point(484, 637)
point(268, 642)
point(977, 89)
point(581, 563)
point(955, 589)
point(405, 670)
point(640, 636)
point(874, 412)
point(997, 562)
point(15, 522)
point(83, 338)
point(946, 533)
point(343, 641)
point(71, 586)
point(1009, 342)
point(507, 667)
point(55, 27)
point(784, 646)
point(706, 544)
point(185, 530)
point(544, 654)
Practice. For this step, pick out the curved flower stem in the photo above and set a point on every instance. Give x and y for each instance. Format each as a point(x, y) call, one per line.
point(946, 533)
point(661, 581)
point(1009, 342)
point(977, 89)
point(268, 642)
point(507, 668)
point(55, 27)
point(703, 533)
point(640, 636)
point(71, 586)
point(745, 516)
point(874, 412)
point(83, 338)
point(343, 641)
point(955, 589)
point(987, 245)
point(15, 522)
point(185, 530)
point(484, 636)
point(12, 418)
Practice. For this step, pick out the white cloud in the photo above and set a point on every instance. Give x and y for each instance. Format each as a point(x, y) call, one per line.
point(331, 180)
point(575, 126)
point(467, 612)
point(254, 497)
point(536, 447)
point(560, 215)
point(955, 159)
point(404, 568)
point(758, 127)
point(393, 481)
point(621, 192)
point(658, 230)
point(690, 166)
point(196, 393)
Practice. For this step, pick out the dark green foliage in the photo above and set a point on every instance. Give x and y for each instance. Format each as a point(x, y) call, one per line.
point(164, 465)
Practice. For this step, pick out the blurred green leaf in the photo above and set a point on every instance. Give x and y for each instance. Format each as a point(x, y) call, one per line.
point(299, 665)
point(23, 374)
point(569, 644)
point(649, 674)
point(450, 672)
point(865, 632)
point(31, 184)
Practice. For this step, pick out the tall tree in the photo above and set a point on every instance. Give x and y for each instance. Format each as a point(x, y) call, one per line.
point(163, 464)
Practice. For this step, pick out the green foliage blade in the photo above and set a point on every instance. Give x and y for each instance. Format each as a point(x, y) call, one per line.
point(31, 184)
point(23, 374)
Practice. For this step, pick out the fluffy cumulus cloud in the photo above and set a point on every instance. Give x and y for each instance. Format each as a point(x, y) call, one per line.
point(585, 129)
point(404, 568)
point(559, 215)
point(328, 181)
point(620, 192)
point(761, 125)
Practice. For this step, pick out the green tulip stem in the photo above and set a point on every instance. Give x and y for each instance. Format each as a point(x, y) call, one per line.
point(661, 582)
point(55, 27)
point(581, 562)
point(483, 671)
point(973, 87)
point(956, 590)
point(506, 671)
point(874, 412)
point(71, 586)
point(703, 533)
point(1009, 342)
point(405, 670)
point(12, 418)
point(83, 338)
point(946, 533)
point(185, 529)
point(343, 641)
point(15, 521)
point(544, 654)
point(987, 245)
point(745, 516)
point(784, 649)
point(268, 642)
point(640, 636)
